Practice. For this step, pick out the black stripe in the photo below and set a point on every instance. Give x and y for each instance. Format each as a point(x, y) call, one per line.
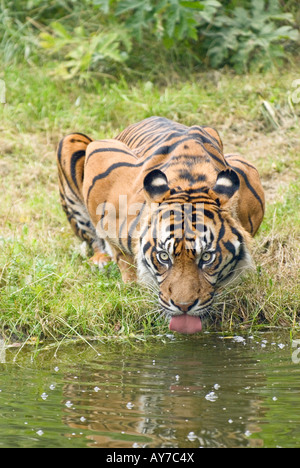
point(193, 179)
point(64, 181)
point(209, 215)
point(249, 186)
point(59, 150)
point(146, 247)
point(251, 224)
point(210, 136)
point(133, 226)
point(74, 159)
point(164, 302)
point(230, 247)
point(111, 168)
point(205, 139)
point(161, 137)
point(80, 141)
point(110, 150)
point(145, 131)
point(242, 162)
point(167, 149)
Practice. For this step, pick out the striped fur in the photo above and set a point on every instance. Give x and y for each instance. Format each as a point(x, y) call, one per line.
point(181, 213)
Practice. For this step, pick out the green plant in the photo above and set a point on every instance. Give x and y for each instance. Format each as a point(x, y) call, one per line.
point(83, 52)
point(90, 37)
point(18, 25)
point(168, 20)
point(249, 37)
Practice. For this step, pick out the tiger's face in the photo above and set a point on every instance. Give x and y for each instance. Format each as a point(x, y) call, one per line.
point(189, 249)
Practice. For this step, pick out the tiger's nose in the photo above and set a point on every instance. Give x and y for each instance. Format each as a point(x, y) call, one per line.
point(184, 306)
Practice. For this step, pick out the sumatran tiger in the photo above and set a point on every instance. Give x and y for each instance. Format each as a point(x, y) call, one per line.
point(167, 206)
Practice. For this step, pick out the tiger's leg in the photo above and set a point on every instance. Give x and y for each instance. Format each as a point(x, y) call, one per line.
point(126, 265)
point(100, 257)
point(70, 161)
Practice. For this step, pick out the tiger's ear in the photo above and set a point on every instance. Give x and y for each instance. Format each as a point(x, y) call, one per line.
point(156, 186)
point(213, 133)
point(227, 184)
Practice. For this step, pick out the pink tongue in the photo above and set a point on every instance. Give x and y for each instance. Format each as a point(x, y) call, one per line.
point(185, 324)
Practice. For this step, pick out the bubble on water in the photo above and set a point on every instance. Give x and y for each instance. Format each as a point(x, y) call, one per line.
point(238, 339)
point(211, 396)
point(191, 436)
point(170, 336)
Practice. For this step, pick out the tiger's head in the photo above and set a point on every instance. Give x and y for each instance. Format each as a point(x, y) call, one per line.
point(191, 245)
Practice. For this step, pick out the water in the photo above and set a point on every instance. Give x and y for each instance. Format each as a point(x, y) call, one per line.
point(204, 391)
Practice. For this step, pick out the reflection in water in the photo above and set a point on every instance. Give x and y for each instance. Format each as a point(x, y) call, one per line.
point(162, 397)
point(203, 391)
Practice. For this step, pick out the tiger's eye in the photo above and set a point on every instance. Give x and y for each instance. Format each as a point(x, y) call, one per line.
point(163, 257)
point(206, 257)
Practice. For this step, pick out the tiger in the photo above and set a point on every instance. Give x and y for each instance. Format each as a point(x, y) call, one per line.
point(165, 204)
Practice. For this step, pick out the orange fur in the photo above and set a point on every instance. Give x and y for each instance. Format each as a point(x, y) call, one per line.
point(185, 165)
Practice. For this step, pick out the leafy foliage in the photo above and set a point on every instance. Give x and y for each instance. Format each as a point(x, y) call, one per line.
point(168, 20)
point(98, 36)
point(83, 52)
point(249, 37)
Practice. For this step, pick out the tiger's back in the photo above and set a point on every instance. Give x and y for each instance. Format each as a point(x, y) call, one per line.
point(196, 155)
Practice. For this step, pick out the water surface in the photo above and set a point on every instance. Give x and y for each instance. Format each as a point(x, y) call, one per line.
point(204, 391)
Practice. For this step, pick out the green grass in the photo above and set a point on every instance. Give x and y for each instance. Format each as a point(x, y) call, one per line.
point(47, 288)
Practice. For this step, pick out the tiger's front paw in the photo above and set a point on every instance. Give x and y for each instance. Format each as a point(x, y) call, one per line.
point(100, 259)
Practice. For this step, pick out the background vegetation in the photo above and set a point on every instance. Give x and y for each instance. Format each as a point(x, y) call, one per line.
point(95, 37)
point(98, 65)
